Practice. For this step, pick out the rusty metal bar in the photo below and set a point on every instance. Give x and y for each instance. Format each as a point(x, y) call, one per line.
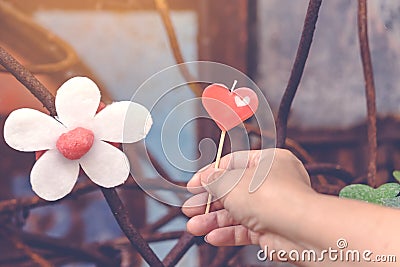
point(362, 21)
point(329, 169)
point(15, 239)
point(117, 207)
point(121, 215)
point(186, 240)
point(297, 70)
point(66, 247)
point(172, 213)
point(184, 244)
point(224, 255)
point(163, 9)
point(7, 11)
point(156, 237)
point(28, 80)
point(23, 203)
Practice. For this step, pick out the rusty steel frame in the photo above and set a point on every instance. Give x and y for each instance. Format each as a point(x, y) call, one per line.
point(70, 57)
point(140, 239)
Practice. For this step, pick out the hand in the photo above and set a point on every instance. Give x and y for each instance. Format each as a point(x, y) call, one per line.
point(239, 217)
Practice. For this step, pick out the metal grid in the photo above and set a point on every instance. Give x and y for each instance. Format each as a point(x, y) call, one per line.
point(105, 255)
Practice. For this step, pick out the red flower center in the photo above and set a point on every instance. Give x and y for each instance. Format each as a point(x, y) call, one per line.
point(75, 143)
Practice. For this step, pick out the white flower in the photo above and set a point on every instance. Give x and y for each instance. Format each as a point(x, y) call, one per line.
point(78, 137)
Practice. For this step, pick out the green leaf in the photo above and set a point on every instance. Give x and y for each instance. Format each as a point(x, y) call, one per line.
point(391, 202)
point(388, 190)
point(357, 191)
point(366, 193)
point(396, 175)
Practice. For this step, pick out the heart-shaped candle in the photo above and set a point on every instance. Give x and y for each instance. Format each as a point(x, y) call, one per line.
point(229, 108)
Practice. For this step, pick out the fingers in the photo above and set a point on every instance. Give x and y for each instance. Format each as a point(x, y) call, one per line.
point(195, 184)
point(205, 223)
point(219, 187)
point(196, 205)
point(233, 182)
point(236, 235)
point(235, 160)
point(239, 159)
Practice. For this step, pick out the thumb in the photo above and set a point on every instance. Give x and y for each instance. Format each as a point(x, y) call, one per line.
point(220, 182)
point(231, 189)
point(212, 175)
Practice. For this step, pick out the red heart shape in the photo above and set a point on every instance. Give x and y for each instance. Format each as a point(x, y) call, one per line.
point(229, 108)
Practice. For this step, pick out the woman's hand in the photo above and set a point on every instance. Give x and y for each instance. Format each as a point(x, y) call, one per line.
point(284, 213)
point(240, 217)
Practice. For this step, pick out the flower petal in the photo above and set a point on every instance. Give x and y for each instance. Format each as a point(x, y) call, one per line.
point(53, 176)
point(77, 101)
point(122, 122)
point(105, 165)
point(30, 130)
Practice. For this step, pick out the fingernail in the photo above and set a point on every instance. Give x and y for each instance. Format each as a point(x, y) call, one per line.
point(205, 239)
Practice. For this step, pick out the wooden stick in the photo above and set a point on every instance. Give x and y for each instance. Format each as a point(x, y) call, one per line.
point(217, 160)
point(220, 145)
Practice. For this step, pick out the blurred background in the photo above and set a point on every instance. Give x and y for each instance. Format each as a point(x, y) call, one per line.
point(121, 43)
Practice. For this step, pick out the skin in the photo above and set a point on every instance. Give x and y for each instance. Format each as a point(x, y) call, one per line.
point(285, 213)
